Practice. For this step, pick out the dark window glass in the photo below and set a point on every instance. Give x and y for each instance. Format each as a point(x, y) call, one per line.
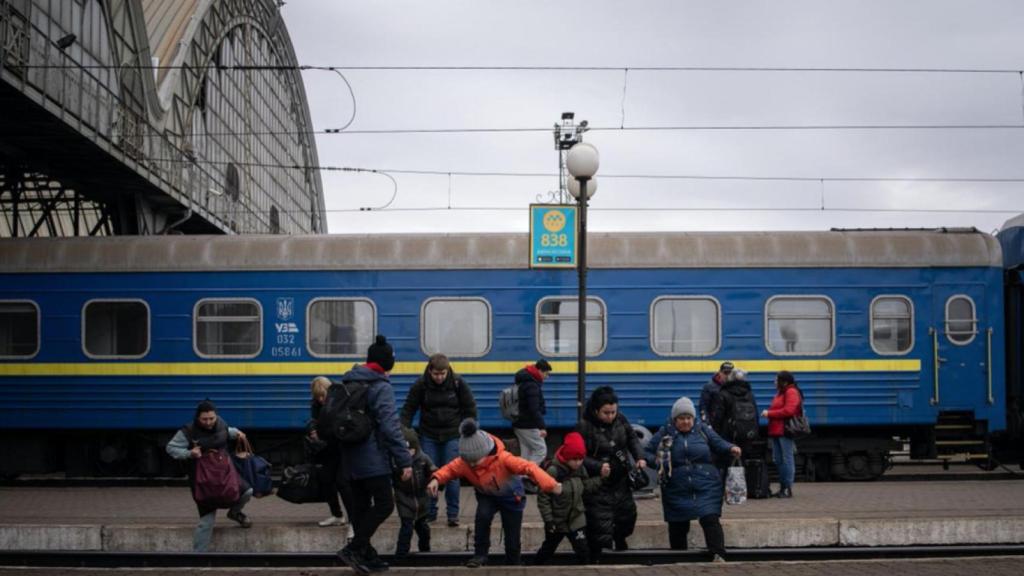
point(19, 329)
point(116, 329)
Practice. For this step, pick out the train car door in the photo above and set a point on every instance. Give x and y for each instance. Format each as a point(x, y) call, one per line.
point(958, 348)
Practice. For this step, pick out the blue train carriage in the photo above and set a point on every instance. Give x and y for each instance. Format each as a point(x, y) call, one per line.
point(106, 344)
point(1011, 237)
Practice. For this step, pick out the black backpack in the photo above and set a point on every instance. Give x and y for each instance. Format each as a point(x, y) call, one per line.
point(740, 416)
point(344, 416)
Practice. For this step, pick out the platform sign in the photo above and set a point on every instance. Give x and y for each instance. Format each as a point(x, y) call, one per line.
point(552, 236)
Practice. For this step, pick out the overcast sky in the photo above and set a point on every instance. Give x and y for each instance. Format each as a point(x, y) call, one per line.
point(976, 34)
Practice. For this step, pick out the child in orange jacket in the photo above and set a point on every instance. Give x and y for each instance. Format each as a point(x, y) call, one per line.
point(495, 473)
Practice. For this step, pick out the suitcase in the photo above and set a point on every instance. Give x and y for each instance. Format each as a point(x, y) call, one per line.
point(756, 472)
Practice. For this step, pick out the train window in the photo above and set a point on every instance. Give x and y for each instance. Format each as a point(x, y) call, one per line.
point(685, 325)
point(19, 329)
point(340, 327)
point(961, 320)
point(557, 328)
point(799, 325)
point(228, 328)
point(457, 327)
point(115, 328)
point(892, 325)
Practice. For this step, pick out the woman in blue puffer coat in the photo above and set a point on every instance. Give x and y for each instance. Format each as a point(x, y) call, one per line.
point(691, 487)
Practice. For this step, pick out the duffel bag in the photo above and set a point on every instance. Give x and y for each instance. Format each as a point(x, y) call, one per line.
point(301, 484)
point(253, 469)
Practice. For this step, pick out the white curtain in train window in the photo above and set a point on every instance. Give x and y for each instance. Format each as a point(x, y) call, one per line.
point(799, 325)
point(116, 329)
point(19, 329)
point(456, 327)
point(685, 326)
point(228, 328)
point(891, 325)
point(558, 326)
point(340, 327)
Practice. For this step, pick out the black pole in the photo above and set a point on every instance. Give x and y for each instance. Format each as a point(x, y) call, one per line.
point(581, 351)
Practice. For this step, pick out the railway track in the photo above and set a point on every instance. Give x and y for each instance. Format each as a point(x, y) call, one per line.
point(444, 559)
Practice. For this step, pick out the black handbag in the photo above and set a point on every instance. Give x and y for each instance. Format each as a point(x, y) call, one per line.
point(797, 427)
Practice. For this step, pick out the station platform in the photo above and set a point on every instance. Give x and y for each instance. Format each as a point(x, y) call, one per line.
point(161, 519)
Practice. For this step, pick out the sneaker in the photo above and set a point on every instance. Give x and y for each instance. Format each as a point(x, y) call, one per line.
point(476, 562)
point(785, 493)
point(373, 561)
point(453, 522)
point(331, 521)
point(353, 560)
point(241, 518)
point(717, 558)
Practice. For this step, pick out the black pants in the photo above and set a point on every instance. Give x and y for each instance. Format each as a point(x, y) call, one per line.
point(511, 523)
point(577, 538)
point(328, 459)
point(713, 535)
point(422, 529)
point(369, 502)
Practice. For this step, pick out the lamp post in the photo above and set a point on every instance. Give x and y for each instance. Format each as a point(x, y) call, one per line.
point(582, 162)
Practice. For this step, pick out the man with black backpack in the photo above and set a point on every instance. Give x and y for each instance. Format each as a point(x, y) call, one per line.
point(529, 426)
point(360, 414)
point(736, 420)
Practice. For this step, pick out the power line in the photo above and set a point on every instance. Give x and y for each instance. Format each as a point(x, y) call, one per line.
point(818, 209)
point(500, 174)
point(668, 128)
point(528, 68)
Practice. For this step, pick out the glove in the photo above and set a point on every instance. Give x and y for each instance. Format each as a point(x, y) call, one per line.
point(550, 528)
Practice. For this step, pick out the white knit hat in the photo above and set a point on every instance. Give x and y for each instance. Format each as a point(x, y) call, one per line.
point(683, 406)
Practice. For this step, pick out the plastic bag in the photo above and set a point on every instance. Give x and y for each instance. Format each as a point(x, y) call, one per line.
point(736, 484)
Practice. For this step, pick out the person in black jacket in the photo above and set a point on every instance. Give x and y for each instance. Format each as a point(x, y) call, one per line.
point(529, 426)
point(411, 498)
point(736, 414)
point(324, 452)
point(443, 400)
point(613, 449)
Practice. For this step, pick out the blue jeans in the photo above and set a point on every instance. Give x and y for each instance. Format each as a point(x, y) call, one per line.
point(442, 453)
point(204, 529)
point(487, 507)
point(782, 455)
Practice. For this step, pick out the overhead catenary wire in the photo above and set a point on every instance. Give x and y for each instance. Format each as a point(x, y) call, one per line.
point(504, 174)
point(533, 68)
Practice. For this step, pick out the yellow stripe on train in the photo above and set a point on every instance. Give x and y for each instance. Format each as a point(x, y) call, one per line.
point(213, 368)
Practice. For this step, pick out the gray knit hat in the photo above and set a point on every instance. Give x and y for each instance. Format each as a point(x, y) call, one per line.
point(683, 406)
point(474, 443)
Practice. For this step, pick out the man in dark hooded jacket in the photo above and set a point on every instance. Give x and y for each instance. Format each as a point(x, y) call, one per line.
point(443, 400)
point(364, 473)
point(736, 413)
point(529, 427)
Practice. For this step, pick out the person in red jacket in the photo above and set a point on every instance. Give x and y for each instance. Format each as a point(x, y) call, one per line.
point(495, 473)
point(788, 402)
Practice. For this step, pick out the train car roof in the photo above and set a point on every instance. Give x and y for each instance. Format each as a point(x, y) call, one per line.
point(861, 248)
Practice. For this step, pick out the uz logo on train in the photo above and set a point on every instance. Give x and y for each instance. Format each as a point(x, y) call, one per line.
point(286, 330)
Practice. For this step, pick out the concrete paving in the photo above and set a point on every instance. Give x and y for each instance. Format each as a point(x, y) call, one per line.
point(827, 514)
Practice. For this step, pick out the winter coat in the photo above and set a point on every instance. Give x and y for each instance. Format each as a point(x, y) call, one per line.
point(498, 474)
point(192, 434)
point(611, 510)
point(531, 400)
point(441, 406)
point(411, 496)
point(691, 486)
point(566, 510)
point(374, 456)
point(709, 399)
point(785, 405)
